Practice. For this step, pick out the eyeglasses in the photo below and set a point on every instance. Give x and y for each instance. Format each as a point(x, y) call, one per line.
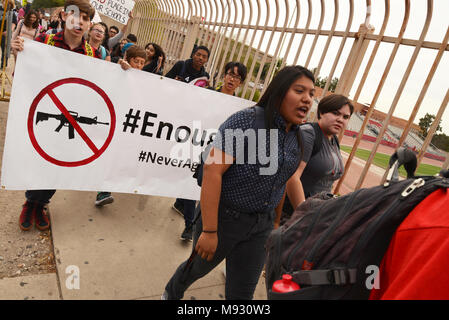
point(234, 76)
point(98, 31)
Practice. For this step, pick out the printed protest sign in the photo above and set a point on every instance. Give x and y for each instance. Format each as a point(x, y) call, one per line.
point(117, 10)
point(130, 131)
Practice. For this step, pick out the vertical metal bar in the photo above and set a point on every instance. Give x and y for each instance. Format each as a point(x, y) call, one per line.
point(405, 78)
point(276, 52)
point(202, 29)
point(171, 23)
point(251, 69)
point(340, 49)
point(206, 30)
point(379, 89)
point(317, 34)
point(178, 27)
point(218, 53)
point(425, 87)
point(253, 37)
point(228, 42)
point(237, 38)
point(344, 85)
point(292, 36)
point(359, 90)
point(153, 20)
point(212, 39)
point(214, 51)
point(168, 32)
point(433, 127)
point(329, 38)
point(262, 63)
point(160, 29)
point(250, 18)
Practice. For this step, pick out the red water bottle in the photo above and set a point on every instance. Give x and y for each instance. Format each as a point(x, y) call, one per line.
point(285, 285)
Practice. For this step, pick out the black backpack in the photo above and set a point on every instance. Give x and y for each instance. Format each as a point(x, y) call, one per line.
point(329, 242)
point(317, 143)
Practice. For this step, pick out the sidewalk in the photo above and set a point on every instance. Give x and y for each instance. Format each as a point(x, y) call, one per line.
point(126, 250)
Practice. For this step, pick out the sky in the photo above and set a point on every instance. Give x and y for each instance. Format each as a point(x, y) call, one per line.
point(438, 27)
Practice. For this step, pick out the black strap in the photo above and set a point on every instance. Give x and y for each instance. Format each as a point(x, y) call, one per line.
point(20, 28)
point(317, 143)
point(322, 277)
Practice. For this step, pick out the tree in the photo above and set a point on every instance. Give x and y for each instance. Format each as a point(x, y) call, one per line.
point(37, 4)
point(425, 123)
point(441, 141)
point(322, 82)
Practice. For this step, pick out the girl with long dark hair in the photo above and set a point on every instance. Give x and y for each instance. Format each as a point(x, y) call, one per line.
point(155, 59)
point(241, 199)
point(28, 27)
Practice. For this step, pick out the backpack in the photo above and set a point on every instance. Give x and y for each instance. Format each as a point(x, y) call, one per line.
point(330, 243)
point(20, 29)
point(319, 138)
point(317, 145)
point(260, 124)
point(103, 52)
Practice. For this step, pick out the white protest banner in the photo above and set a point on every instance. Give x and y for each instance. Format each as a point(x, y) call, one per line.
point(89, 125)
point(117, 10)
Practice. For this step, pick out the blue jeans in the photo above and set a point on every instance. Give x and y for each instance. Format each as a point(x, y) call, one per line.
point(241, 240)
point(39, 196)
point(189, 210)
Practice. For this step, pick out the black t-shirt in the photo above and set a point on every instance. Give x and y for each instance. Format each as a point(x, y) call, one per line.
point(185, 70)
point(151, 67)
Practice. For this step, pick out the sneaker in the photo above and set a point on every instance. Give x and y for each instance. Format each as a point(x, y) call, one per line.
point(187, 234)
point(26, 216)
point(179, 208)
point(40, 218)
point(103, 198)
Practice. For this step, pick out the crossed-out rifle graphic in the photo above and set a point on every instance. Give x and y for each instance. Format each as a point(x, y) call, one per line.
point(64, 122)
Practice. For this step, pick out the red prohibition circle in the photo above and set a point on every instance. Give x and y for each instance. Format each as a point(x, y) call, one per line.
point(49, 89)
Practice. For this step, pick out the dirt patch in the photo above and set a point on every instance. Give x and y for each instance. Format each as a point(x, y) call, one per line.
point(22, 253)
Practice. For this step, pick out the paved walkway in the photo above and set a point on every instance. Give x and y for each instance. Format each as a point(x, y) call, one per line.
point(126, 250)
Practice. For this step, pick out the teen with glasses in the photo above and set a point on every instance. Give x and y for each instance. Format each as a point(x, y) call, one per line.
point(234, 76)
point(97, 34)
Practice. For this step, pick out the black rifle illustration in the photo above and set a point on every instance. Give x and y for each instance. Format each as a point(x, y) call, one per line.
point(42, 116)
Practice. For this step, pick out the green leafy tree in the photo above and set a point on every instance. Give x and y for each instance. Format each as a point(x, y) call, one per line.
point(441, 141)
point(321, 82)
point(425, 123)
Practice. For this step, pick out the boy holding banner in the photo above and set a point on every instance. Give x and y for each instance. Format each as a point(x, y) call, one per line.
point(190, 71)
point(77, 16)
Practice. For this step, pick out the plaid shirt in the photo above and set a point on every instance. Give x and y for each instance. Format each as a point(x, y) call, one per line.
point(59, 42)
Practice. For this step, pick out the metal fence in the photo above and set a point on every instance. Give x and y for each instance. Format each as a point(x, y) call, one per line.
point(334, 38)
